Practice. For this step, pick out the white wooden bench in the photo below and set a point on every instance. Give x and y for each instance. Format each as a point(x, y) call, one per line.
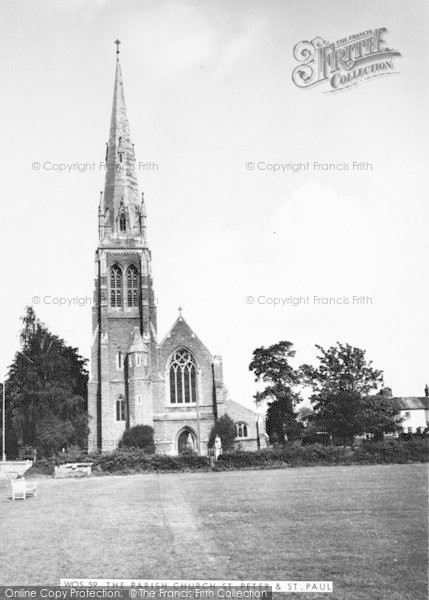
point(22, 489)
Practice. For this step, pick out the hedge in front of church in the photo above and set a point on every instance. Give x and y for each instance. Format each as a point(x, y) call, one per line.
point(389, 451)
point(136, 460)
point(124, 461)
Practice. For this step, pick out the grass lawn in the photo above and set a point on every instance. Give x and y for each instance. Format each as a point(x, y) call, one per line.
point(363, 527)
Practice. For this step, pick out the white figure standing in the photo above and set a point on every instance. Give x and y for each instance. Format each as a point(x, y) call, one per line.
point(217, 447)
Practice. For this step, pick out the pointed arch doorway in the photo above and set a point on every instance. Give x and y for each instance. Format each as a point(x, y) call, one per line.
point(187, 441)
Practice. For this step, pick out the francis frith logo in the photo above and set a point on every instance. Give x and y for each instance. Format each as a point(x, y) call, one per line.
point(343, 63)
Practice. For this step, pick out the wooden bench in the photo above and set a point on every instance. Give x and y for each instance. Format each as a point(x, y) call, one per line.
point(22, 489)
point(73, 470)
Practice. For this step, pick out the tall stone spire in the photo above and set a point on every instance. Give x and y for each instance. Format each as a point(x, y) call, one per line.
point(124, 355)
point(121, 209)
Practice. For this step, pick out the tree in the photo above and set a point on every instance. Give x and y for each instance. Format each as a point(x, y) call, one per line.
point(341, 415)
point(46, 391)
point(342, 368)
point(225, 429)
point(304, 415)
point(342, 384)
point(140, 436)
point(271, 365)
point(53, 435)
point(379, 416)
point(281, 422)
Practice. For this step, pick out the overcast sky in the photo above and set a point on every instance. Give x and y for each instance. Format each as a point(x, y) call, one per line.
point(208, 88)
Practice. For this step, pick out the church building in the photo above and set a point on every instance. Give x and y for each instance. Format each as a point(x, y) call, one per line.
point(175, 386)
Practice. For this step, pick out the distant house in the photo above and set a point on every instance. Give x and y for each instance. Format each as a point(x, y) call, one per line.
point(413, 412)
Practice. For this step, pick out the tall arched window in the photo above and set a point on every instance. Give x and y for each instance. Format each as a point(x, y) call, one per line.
point(122, 222)
point(120, 409)
point(183, 379)
point(241, 429)
point(132, 286)
point(115, 286)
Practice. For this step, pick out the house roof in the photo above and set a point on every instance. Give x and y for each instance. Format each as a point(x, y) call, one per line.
point(244, 408)
point(411, 403)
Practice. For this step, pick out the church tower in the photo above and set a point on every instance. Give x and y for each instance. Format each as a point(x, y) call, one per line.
point(175, 387)
point(124, 357)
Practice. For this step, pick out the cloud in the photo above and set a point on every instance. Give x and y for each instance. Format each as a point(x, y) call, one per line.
point(179, 37)
point(236, 50)
point(318, 228)
point(87, 10)
point(176, 36)
point(340, 240)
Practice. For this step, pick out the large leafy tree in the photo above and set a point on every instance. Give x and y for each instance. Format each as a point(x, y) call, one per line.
point(46, 391)
point(342, 384)
point(342, 368)
point(271, 366)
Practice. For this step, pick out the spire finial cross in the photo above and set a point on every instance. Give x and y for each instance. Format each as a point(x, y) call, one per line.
point(180, 311)
point(117, 42)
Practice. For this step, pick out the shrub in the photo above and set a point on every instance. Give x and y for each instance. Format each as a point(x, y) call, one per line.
point(140, 436)
point(225, 429)
point(393, 451)
point(136, 460)
point(294, 455)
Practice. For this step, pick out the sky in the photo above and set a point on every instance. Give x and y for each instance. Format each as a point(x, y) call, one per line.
point(209, 89)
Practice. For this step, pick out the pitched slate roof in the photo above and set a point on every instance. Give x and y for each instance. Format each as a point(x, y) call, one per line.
point(178, 324)
point(243, 408)
point(411, 403)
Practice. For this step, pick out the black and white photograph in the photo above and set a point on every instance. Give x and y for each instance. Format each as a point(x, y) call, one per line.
point(214, 362)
